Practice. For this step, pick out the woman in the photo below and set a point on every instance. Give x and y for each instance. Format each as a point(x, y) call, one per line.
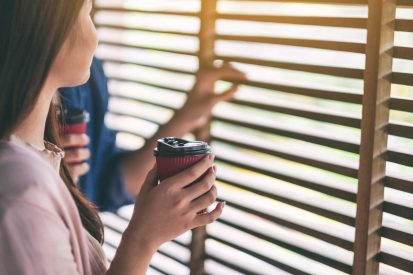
point(46, 225)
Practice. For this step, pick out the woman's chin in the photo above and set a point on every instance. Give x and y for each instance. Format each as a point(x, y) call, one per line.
point(85, 79)
point(78, 82)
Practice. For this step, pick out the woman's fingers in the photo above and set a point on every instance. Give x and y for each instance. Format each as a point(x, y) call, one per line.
point(200, 187)
point(78, 170)
point(206, 79)
point(191, 174)
point(210, 217)
point(229, 72)
point(77, 155)
point(75, 140)
point(224, 72)
point(151, 180)
point(205, 200)
point(227, 95)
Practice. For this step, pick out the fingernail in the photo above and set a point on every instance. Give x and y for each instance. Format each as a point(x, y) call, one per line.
point(214, 168)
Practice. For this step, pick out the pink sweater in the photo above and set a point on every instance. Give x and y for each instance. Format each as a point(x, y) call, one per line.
point(40, 227)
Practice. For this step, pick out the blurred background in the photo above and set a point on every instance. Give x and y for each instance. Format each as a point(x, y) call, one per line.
point(287, 145)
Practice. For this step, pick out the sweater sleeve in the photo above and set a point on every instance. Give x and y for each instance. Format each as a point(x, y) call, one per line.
point(34, 240)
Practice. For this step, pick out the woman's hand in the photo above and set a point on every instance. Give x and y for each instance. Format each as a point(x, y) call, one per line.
point(202, 98)
point(167, 210)
point(76, 154)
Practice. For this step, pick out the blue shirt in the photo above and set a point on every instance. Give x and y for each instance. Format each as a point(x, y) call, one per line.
point(103, 184)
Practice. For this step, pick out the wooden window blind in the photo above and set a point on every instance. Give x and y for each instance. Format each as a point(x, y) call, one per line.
point(315, 152)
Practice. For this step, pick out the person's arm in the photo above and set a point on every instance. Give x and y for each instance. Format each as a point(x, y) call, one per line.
point(164, 212)
point(194, 114)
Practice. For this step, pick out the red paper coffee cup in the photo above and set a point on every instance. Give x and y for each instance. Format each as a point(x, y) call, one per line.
point(174, 155)
point(75, 121)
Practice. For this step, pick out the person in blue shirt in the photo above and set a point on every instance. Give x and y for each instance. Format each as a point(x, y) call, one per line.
point(108, 176)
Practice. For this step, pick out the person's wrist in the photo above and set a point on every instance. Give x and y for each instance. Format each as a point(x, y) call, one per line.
point(182, 121)
point(134, 235)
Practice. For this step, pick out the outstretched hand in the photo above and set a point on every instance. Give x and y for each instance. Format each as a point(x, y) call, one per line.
point(203, 97)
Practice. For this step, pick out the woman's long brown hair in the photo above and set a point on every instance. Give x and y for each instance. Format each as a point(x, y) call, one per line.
point(31, 35)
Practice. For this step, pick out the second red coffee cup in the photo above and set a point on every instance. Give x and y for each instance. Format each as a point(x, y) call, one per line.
point(75, 121)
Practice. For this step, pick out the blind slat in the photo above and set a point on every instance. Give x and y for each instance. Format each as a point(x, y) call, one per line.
point(398, 210)
point(227, 263)
point(304, 91)
point(117, 96)
point(395, 261)
point(126, 79)
point(317, 69)
point(172, 257)
point(165, 50)
point(303, 135)
point(405, 3)
point(318, 44)
point(402, 79)
point(301, 20)
point(302, 111)
point(404, 25)
point(400, 130)
point(401, 104)
point(400, 157)
point(127, 28)
point(403, 53)
point(124, 9)
point(399, 184)
point(120, 61)
point(396, 235)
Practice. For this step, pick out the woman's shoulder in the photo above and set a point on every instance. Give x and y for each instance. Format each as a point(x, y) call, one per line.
point(22, 170)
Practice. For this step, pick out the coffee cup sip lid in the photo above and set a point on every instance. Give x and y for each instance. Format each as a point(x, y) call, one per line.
point(75, 116)
point(171, 146)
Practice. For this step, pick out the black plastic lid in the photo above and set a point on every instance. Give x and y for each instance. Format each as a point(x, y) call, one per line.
point(75, 116)
point(171, 146)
